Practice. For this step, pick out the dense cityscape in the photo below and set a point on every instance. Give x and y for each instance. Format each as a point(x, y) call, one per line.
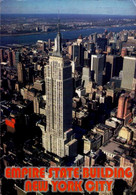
point(68, 102)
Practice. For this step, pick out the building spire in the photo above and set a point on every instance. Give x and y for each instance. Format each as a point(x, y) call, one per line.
point(58, 40)
point(58, 25)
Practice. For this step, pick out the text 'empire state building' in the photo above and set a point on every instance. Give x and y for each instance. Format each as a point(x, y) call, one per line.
point(59, 137)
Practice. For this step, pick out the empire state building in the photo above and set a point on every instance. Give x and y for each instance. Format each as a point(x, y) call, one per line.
point(59, 137)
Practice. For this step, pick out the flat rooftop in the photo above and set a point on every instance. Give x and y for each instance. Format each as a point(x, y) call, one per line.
point(113, 147)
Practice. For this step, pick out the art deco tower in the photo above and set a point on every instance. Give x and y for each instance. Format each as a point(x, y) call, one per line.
point(59, 137)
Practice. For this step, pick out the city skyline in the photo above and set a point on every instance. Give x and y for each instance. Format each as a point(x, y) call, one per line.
point(116, 7)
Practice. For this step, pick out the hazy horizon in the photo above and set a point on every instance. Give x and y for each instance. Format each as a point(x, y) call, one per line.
point(67, 14)
point(98, 7)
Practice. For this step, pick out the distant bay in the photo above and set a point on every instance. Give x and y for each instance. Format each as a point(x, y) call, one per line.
point(32, 38)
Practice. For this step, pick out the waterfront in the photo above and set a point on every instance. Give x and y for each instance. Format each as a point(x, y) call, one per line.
point(30, 39)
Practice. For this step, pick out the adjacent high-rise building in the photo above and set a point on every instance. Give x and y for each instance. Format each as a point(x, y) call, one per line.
point(49, 44)
point(102, 43)
point(78, 54)
point(1, 55)
point(129, 73)
point(97, 66)
point(17, 58)
point(70, 51)
point(128, 161)
point(91, 47)
point(86, 76)
point(78, 51)
point(20, 72)
point(113, 66)
point(87, 58)
point(11, 57)
point(80, 39)
point(59, 137)
point(124, 37)
point(110, 66)
point(41, 45)
point(124, 108)
point(94, 37)
point(124, 52)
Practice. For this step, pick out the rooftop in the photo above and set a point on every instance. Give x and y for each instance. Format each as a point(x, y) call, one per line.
point(113, 147)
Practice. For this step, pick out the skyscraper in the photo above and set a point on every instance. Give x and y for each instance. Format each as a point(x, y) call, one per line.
point(49, 44)
point(86, 76)
point(11, 57)
point(113, 66)
point(124, 107)
point(70, 51)
point(10, 61)
point(129, 72)
point(97, 65)
point(78, 51)
point(41, 45)
point(78, 54)
point(1, 55)
point(94, 37)
point(20, 72)
point(58, 42)
point(58, 138)
point(124, 52)
point(121, 105)
point(17, 58)
point(102, 43)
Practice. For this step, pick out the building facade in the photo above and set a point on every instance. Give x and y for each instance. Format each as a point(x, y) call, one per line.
point(58, 79)
point(129, 72)
point(97, 65)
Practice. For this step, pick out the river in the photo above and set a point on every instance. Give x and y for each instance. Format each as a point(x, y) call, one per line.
point(30, 39)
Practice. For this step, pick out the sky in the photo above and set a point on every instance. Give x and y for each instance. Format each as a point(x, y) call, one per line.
point(109, 7)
